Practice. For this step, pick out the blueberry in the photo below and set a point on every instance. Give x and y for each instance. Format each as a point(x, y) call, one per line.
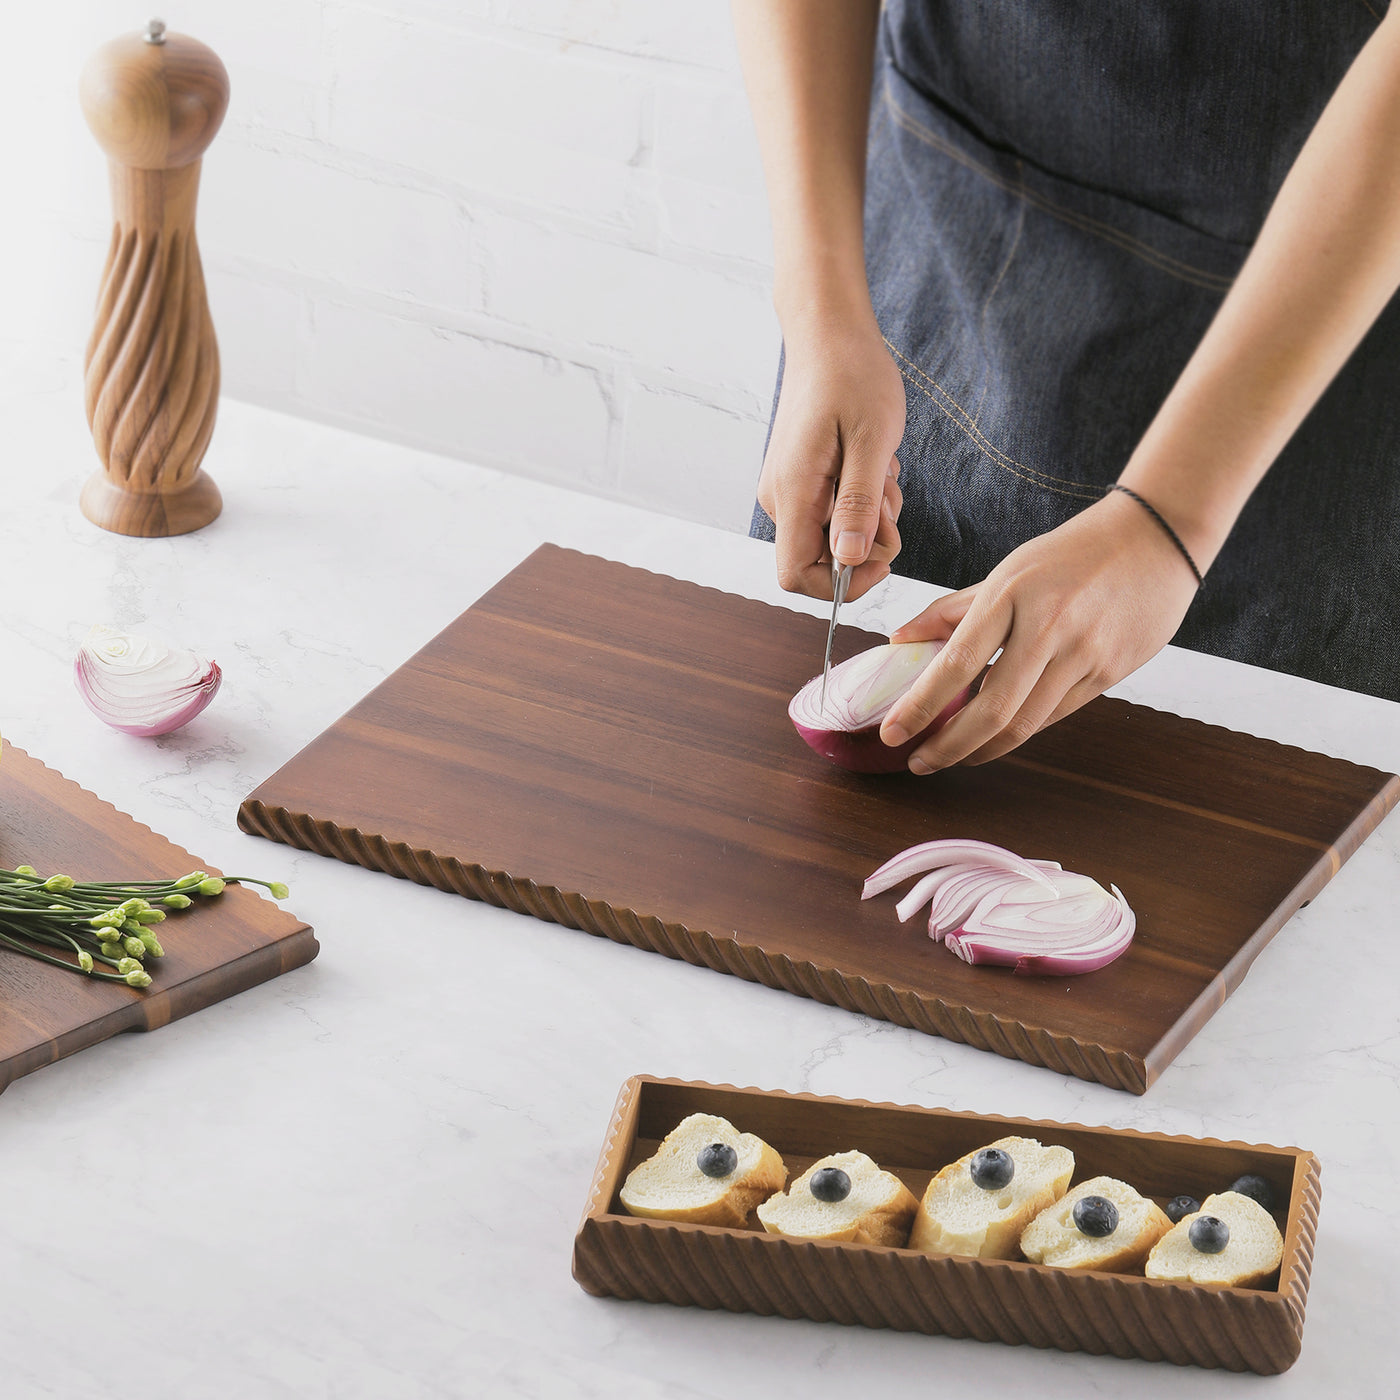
point(1254, 1186)
point(718, 1159)
point(1095, 1216)
point(1179, 1207)
point(1208, 1235)
point(830, 1184)
point(992, 1168)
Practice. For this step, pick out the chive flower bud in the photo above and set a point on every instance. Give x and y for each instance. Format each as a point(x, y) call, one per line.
point(277, 890)
point(152, 944)
point(110, 950)
point(151, 916)
point(134, 946)
point(85, 960)
point(212, 885)
point(131, 907)
point(58, 884)
point(130, 926)
point(193, 878)
point(128, 965)
point(177, 901)
point(108, 918)
point(138, 978)
point(26, 870)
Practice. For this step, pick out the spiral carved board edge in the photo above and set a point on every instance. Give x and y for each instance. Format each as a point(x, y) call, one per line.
point(988, 1300)
point(213, 952)
point(902, 1006)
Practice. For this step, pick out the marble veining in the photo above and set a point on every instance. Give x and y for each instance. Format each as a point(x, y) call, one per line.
point(363, 1179)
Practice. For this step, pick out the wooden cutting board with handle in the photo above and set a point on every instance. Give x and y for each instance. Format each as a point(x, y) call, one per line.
point(610, 749)
point(213, 950)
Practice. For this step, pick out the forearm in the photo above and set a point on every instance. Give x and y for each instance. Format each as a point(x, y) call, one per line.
point(807, 66)
point(1324, 266)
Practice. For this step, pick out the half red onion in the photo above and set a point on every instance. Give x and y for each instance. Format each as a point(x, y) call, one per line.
point(1028, 915)
point(859, 694)
point(141, 686)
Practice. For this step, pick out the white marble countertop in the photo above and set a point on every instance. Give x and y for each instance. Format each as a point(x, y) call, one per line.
point(363, 1179)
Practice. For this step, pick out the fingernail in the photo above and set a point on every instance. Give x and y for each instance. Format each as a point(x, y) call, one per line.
point(887, 508)
point(893, 734)
point(919, 767)
point(894, 468)
point(850, 544)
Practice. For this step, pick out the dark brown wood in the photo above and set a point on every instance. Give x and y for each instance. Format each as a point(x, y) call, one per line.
point(223, 946)
point(610, 749)
point(745, 1270)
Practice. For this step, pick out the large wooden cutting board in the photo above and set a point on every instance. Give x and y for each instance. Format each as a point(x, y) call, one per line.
point(222, 946)
point(610, 749)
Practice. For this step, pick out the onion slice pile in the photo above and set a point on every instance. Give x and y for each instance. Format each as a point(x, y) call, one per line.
point(142, 686)
point(991, 906)
point(859, 694)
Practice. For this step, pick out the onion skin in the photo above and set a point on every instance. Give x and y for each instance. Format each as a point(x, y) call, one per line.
point(863, 751)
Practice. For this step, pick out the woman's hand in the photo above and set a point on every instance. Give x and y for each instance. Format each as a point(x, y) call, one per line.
point(1073, 612)
point(840, 415)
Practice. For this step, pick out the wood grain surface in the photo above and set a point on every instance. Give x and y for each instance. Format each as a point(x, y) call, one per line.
point(745, 1270)
point(212, 951)
point(152, 363)
point(610, 749)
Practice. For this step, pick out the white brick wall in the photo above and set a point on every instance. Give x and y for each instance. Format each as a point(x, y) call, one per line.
point(529, 233)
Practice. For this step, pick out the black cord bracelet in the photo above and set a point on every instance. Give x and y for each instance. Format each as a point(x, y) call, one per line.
point(1157, 516)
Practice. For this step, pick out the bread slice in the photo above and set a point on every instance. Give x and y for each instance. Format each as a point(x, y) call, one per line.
point(957, 1216)
point(877, 1211)
point(670, 1185)
point(1053, 1237)
point(1254, 1251)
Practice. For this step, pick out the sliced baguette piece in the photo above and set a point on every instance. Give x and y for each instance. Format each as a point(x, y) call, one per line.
point(1053, 1238)
point(1254, 1251)
point(957, 1216)
point(670, 1185)
point(877, 1211)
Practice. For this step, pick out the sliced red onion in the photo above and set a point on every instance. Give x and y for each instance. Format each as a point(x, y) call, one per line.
point(141, 686)
point(1081, 931)
point(1089, 957)
point(956, 899)
point(1029, 915)
point(930, 855)
point(859, 694)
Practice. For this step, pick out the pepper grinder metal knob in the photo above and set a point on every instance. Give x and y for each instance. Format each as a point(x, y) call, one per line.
point(154, 101)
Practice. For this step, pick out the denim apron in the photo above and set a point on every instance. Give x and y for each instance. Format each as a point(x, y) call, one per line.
point(1059, 193)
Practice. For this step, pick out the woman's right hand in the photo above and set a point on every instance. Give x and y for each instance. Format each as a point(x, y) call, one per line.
point(840, 419)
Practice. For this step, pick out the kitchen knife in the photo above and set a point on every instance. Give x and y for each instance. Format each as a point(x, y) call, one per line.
point(840, 586)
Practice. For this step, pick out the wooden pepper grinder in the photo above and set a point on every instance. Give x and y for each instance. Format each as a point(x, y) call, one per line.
point(154, 101)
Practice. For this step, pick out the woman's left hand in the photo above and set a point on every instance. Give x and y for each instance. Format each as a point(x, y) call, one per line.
point(1072, 612)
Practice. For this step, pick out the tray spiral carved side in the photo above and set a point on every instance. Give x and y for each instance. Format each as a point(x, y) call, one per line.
point(1017, 1305)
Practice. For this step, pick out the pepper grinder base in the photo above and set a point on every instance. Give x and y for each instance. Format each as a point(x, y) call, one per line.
point(150, 514)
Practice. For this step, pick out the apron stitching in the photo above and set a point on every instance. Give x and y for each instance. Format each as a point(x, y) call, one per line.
point(1375, 14)
point(987, 305)
point(1164, 262)
point(975, 433)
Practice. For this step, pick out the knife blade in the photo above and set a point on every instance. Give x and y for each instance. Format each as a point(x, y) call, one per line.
point(840, 586)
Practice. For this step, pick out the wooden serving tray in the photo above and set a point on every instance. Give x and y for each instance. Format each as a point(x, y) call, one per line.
point(212, 951)
point(1240, 1329)
point(610, 749)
